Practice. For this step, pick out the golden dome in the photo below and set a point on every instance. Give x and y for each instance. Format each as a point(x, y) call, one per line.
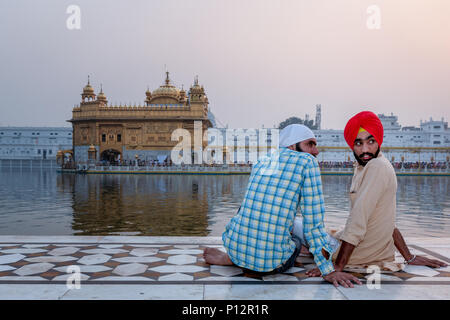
point(88, 88)
point(196, 88)
point(182, 92)
point(101, 95)
point(166, 89)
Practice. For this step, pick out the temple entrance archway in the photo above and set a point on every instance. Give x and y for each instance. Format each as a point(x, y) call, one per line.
point(112, 156)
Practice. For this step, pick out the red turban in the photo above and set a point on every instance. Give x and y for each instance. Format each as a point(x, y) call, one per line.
point(366, 120)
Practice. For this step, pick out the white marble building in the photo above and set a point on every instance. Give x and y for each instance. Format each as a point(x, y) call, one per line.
point(34, 142)
point(428, 142)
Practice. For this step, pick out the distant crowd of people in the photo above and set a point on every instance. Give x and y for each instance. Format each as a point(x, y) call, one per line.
point(396, 165)
point(165, 163)
point(335, 164)
point(140, 163)
point(322, 164)
point(421, 165)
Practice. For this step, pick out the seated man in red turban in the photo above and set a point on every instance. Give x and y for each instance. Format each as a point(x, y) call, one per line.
point(370, 236)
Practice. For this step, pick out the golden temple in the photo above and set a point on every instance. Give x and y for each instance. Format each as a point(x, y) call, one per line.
point(102, 131)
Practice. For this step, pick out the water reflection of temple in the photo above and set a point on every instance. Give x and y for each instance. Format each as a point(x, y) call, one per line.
point(152, 205)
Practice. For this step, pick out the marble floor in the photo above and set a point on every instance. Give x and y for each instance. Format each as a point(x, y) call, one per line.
point(131, 267)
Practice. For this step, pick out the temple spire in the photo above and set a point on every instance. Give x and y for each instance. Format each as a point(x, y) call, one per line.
point(167, 78)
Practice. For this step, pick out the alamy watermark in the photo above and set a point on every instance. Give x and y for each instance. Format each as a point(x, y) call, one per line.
point(74, 279)
point(73, 22)
point(374, 277)
point(373, 21)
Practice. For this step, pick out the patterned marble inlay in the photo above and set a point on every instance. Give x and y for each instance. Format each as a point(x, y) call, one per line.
point(31, 269)
point(104, 251)
point(6, 268)
point(228, 279)
point(226, 271)
point(137, 259)
point(86, 269)
point(113, 278)
point(176, 269)
point(110, 246)
point(94, 259)
point(168, 263)
point(32, 246)
point(130, 269)
point(142, 252)
point(22, 278)
point(63, 251)
point(185, 246)
point(182, 251)
point(23, 251)
point(52, 259)
point(64, 277)
point(176, 277)
point(11, 258)
point(181, 259)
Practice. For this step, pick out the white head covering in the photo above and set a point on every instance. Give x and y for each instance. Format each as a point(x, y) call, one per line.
point(294, 133)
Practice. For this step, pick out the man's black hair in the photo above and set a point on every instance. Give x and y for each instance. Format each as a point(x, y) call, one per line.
point(297, 147)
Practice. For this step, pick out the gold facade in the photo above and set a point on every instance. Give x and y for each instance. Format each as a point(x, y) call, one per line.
point(145, 127)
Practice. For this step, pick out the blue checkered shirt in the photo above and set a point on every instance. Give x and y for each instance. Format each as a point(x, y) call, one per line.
point(259, 237)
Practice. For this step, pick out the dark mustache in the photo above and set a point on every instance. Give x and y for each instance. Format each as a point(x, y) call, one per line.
point(366, 153)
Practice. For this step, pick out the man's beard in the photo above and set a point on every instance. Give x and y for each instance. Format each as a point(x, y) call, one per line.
point(299, 149)
point(364, 162)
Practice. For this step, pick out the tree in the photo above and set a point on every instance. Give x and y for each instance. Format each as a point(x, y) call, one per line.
point(309, 123)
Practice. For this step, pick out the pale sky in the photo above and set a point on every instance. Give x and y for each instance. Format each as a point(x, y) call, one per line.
point(260, 61)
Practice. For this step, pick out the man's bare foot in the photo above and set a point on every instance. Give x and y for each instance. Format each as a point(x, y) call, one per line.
point(215, 256)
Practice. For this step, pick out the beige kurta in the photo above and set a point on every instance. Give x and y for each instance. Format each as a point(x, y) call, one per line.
point(372, 215)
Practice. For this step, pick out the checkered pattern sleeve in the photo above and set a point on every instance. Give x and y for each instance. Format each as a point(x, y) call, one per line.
point(313, 209)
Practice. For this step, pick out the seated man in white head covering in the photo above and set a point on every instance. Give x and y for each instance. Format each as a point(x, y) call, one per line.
point(259, 237)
